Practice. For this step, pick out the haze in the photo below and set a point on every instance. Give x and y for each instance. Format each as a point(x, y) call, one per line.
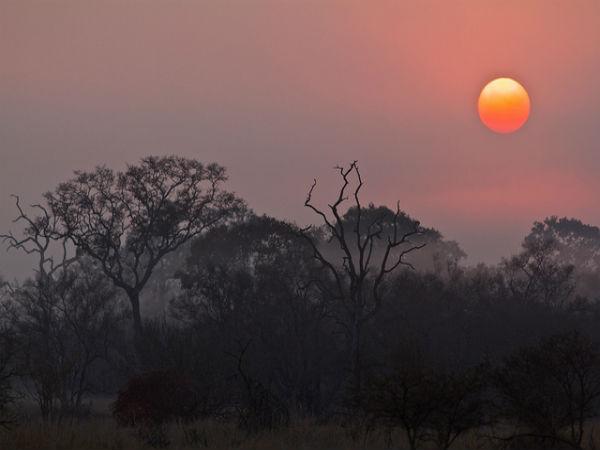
point(279, 92)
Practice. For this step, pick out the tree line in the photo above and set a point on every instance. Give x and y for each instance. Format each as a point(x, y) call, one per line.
point(367, 318)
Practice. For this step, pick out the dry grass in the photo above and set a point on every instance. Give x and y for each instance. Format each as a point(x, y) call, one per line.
point(102, 434)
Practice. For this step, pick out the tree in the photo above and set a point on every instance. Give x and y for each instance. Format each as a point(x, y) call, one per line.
point(439, 256)
point(249, 282)
point(40, 239)
point(8, 354)
point(576, 244)
point(462, 405)
point(551, 391)
point(406, 399)
point(63, 318)
point(535, 275)
point(128, 221)
point(66, 327)
point(430, 405)
point(356, 272)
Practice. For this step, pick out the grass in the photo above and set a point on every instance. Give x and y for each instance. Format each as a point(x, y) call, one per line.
point(101, 433)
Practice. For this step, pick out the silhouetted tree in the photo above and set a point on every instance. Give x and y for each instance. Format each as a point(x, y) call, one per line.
point(8, 362)
point(65, 328)
point(463, 405)
point(128, 221)
point(405, 399)
point(64, 318)
point(439, 256)
point(250, 281)
point(260, 409)
point(40, 239)
point(535, 275)
point(356, 272)
point(551, 391)
point(576, 244)
point(430, 403)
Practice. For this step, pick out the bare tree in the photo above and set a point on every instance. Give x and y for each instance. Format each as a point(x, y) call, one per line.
point(65, 328)
point(63, 318)
point(357, 271)
point(128, 221)
point(40, 238)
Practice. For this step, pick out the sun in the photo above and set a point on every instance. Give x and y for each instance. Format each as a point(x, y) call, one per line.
point(504, 105)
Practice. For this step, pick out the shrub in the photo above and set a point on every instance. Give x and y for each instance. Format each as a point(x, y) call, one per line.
point(428, 405)
point(550, 391)
point(156, 398)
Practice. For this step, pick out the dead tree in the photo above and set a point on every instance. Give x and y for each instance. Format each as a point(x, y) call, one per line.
point(371, 248)
point(40, 239)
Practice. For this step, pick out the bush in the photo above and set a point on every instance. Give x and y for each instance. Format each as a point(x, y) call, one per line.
point(262, 410)
point(428, 405)
point(156, 398)
point(549, 392)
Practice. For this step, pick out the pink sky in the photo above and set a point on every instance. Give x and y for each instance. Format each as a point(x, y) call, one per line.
point(281, 91)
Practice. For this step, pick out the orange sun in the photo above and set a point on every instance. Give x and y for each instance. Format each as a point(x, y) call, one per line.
point(503, 105)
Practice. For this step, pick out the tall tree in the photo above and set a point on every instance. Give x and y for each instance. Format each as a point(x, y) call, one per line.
point(357, 270)
point(128, 221)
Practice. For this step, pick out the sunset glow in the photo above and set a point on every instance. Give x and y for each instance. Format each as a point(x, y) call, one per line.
point(504, 105)
point(279, 92)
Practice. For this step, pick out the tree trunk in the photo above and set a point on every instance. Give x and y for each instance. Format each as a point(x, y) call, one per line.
point(134, 299)
point(356, 362)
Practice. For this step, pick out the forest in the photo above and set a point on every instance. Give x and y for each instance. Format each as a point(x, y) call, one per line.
point(162, 312)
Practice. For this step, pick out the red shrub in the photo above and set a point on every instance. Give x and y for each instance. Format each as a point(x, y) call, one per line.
point(155, 398)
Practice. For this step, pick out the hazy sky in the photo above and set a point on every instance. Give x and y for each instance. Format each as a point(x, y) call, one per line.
point(280, 91)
